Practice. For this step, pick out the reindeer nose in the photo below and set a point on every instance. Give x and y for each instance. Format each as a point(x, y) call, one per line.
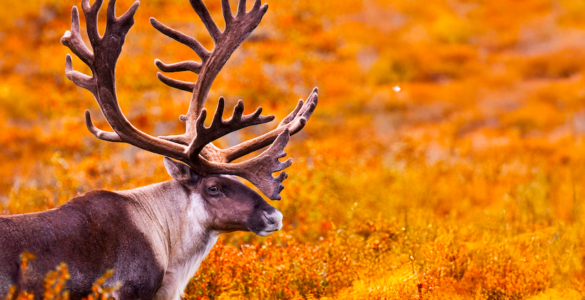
point(273, 219)
point(270, 220)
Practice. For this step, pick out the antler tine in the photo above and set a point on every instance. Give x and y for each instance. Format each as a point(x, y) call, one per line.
point(241, 8)
point(73, 40)
point(79, 78)
point(195, 67)
point(181, 38)
point(178, 84)
point(100, 134)
point(294, 122)
point(227, 12)
point(203, 13)
point(220, 127)
point(189, 65)
point(122, 24)
point(91, 16)
point(258, 170)
point(126, 19)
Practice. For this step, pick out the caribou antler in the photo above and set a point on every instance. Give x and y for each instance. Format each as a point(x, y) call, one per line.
point(293, 123)
point(237, 29)
point(194, 147)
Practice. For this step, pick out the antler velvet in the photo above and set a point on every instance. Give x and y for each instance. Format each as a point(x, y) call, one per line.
point(194, 147)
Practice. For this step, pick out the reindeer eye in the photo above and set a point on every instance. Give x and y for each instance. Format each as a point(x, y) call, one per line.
point(213, 189)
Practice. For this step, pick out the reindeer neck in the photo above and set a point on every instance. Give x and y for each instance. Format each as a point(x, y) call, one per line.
point(179, 217)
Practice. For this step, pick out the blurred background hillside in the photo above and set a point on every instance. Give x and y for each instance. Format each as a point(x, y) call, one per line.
point(445, 159)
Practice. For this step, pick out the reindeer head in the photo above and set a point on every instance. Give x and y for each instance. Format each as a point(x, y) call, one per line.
point(234, 206)
point(229, 205)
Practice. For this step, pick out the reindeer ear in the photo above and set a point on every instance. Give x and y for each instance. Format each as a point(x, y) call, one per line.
point(180, 172)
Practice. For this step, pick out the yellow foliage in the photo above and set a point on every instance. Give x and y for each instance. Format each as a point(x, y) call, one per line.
point(101, 292)
point(445, 159)
point(55, 284)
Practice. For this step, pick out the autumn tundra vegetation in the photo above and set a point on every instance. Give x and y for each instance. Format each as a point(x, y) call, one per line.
point(446, 159)
point(153, 238)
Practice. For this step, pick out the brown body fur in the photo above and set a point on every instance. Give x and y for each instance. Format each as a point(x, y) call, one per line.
point(153, 237)
point(91, 234)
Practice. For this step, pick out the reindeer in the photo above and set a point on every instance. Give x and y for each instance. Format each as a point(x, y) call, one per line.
point(155, 237)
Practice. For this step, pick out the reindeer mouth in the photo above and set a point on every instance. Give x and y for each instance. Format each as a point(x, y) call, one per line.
point(266, 232)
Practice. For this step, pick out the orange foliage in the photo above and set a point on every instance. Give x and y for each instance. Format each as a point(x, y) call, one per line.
point(445, 159)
